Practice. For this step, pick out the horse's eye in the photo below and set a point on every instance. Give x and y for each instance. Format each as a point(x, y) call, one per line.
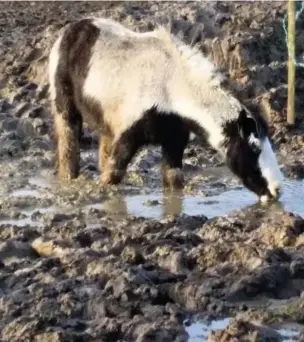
point(254, 143)
point(255, 148)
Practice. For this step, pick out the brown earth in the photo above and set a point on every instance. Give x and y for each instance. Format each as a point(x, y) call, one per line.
point(71, 272)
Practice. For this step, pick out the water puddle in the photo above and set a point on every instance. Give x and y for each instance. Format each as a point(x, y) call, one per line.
point(39, 185)
point(19, 223)
point(30, 212)
point(40, 182)
point(25, 193)
point(199, 331)
point(28, 220)
point(158, 206)
point(287, 334)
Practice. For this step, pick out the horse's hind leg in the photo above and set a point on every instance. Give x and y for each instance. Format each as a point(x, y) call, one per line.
point(68, 128)
point(172, 160)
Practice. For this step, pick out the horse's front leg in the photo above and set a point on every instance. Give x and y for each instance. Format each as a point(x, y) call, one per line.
point(121, 153)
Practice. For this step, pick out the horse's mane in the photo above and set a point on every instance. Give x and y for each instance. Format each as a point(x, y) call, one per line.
point(201, 66)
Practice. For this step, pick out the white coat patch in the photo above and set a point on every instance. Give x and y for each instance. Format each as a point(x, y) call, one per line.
point(53, 63)
point(270, 168)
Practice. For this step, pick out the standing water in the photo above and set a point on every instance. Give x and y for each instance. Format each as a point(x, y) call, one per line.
point(157, 206)
point(199, 331)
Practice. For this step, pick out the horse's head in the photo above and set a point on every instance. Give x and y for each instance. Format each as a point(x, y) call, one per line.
point(250, 156)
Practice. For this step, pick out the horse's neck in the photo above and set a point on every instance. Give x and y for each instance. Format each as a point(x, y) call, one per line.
point(202, 117)
point(193, 93)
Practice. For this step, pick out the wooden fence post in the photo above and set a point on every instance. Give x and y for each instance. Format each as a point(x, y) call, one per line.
point(291, 63)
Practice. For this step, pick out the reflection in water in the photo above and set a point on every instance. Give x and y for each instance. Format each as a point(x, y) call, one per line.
point(176, 203)
point(116, 205)
point(173, 204)
point(293, 196)
point(138, 205)
point(159, 205)
point(199, 331)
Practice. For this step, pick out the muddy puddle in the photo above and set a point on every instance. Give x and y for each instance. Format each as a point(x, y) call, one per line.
point(25, 193)
point(158, 205)
point(19, 223)
point(199, 330)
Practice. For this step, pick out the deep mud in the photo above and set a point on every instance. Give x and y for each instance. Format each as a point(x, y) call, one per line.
point(79, 262)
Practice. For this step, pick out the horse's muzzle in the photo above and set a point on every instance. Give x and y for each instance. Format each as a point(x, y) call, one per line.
point(273, 194)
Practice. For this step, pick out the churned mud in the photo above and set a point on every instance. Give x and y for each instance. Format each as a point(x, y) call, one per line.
point(79, 262)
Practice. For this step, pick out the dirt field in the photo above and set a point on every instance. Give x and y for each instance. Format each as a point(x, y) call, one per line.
point(79, 262)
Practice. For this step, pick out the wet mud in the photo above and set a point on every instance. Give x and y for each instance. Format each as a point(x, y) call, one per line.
point(80, 262)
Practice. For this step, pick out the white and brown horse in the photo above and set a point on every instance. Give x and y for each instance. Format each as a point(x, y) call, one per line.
point(150, 88)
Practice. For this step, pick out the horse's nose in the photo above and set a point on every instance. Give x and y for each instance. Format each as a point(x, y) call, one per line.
point(273, 194)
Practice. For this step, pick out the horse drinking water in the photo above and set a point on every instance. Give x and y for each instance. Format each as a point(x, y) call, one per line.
point(150, 88)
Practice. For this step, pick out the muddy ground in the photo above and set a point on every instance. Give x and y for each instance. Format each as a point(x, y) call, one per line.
point(77, 264)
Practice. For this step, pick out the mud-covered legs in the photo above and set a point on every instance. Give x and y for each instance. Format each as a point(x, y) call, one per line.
point(67, 133)
point(105, 147)
point(172, 161)
point(115, 153)
point(115, 157)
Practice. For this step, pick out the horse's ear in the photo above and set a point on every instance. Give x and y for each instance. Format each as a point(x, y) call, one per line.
point(246, 124)
point(243, 116)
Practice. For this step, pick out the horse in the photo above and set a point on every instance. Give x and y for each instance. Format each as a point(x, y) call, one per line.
point(151, 88)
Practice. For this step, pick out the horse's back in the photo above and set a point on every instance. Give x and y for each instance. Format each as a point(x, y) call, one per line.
point(128, 72)
point(122, 72)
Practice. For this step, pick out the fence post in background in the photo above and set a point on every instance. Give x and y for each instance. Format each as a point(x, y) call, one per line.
point(291, 63)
